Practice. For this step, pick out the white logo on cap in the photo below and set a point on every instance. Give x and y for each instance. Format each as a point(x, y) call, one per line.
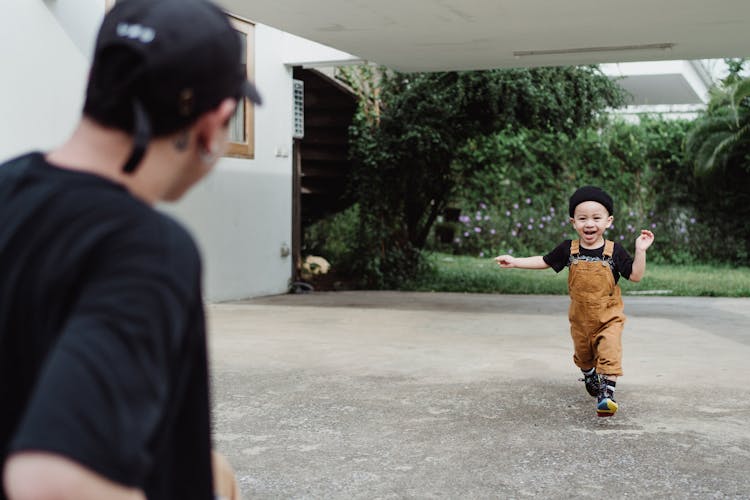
point(143, 34)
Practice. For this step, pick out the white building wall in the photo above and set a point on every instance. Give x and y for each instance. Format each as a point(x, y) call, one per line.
point(241, 215)
point(43, 77)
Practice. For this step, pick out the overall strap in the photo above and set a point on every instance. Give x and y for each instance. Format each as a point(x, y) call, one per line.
point(575, 247)
point(609, 248)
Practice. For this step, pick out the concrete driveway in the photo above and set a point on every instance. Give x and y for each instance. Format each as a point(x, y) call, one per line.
point(418, 395)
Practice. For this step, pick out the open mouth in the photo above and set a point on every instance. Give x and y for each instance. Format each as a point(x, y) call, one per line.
point(590, 234)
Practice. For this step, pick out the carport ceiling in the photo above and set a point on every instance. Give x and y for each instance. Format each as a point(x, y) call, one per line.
point(432, 35)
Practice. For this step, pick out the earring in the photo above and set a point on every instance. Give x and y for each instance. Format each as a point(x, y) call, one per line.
point(181, 141)
point(209, 156)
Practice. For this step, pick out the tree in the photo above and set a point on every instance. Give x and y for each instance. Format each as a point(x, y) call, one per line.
point(718, 146)
point(411, 125)
point(723, 133)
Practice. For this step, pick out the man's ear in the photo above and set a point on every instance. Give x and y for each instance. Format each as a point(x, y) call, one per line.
point(610, 219)
point(212, 124)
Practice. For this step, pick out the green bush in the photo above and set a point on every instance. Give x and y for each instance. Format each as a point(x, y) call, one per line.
point(333, 238)
point(516, 198)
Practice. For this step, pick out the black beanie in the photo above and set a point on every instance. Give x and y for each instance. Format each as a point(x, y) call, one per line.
point(590, 193)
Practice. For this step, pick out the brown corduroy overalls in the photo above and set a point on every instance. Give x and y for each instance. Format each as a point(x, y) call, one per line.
point(596, 312)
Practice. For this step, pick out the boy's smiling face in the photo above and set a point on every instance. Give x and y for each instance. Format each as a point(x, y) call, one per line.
point(590, 220)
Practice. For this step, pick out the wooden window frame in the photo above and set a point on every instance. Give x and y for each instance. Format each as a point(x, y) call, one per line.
point(246, 149)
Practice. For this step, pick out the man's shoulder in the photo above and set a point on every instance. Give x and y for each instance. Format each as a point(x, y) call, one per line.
point(29, 156)
point(176, 234)
point(155, 231)
point(13, 166)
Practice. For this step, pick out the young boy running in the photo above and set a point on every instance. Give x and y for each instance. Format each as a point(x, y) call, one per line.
point(596, 310)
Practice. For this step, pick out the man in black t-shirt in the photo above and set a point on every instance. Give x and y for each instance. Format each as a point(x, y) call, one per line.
point(103, 366)
point(596, 310)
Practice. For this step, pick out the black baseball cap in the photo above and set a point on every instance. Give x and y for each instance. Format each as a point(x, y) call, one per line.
point(590, 193)
point(159, 64)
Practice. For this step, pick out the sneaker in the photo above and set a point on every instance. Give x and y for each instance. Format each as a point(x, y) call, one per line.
point(592, 383)
point(606, 407)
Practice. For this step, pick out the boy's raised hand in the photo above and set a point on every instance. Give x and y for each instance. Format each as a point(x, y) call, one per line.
point(504, 261)
point(644, 241)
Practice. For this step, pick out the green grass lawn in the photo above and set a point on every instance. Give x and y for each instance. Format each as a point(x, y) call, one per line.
point(454, 273)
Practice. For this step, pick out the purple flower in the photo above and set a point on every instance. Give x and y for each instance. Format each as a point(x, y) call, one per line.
point(486, 217)
point(507, 213)
point(632, 213)
point(492, 231)
point(552, 210)
point(518, 224)
point(531, 219)
point(530, 227)
point(510, 251)
point(653, 226)
point(483, 206)
point(466, 234)
point(481, 254)
point(528, 201)
point(541, 226)
point(515, 205)
point(479, 216)
point(683, 230)
point(692, 220)
point(457, 240)
point(464, 218)
point(622, 237)
point(477, 229)
point(513, 233)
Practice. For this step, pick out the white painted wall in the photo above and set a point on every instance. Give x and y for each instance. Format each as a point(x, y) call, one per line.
point(80, 21)
point(241, 215)
point(43, 77)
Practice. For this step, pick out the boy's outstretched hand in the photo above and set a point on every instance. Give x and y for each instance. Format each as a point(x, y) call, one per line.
point(644, 240)
point(504, 261)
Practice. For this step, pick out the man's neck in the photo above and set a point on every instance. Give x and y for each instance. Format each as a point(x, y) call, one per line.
point(103, 151)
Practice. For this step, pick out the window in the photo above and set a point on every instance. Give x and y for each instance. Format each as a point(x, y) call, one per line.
point(241, 130)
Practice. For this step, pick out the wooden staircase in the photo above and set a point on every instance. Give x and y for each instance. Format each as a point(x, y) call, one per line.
point(323, 153)
point(321, 157)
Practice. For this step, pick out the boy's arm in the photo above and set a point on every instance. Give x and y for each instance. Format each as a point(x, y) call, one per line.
point(62, 479)
point(642, 243)
point(508, 261)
